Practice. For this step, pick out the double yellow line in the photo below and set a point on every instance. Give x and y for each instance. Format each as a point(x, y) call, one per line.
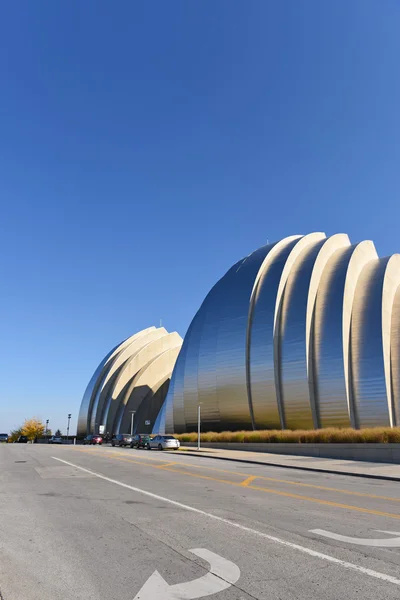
point(248, 483)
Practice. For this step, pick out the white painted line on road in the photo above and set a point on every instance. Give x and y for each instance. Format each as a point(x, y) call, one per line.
point(271, 538)
point(222, 575)
point(377, 543)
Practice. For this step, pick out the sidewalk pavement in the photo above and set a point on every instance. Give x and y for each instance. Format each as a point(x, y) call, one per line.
point(373, 470)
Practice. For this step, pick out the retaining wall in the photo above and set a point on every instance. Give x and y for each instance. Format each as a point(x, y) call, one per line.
point(389, 453)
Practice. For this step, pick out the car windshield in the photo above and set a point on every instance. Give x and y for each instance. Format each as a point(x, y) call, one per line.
point(168, 437)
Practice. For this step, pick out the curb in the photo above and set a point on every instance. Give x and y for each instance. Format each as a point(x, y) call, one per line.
point(295, 467)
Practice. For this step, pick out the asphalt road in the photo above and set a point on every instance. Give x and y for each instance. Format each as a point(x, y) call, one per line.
point(90, 523)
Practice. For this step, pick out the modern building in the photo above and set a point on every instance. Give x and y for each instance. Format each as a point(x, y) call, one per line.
point(130, 384)
point(302, 333)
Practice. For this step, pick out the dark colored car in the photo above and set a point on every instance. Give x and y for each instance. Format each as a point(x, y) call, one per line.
point(121, 439)
point(92, 440)
point(22, 439)
point(3, 437)
point(140, 441)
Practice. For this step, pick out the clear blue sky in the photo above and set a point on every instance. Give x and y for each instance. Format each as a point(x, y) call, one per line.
point(147, 146)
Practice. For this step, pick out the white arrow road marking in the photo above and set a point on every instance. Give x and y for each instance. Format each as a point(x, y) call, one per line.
point(240, 527)
point(222, 575)
point(378, 543)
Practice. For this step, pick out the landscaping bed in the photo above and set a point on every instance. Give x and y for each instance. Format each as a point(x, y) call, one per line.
point(331, 435)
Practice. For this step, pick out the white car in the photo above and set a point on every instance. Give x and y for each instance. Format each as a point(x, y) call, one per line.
point(163, 442)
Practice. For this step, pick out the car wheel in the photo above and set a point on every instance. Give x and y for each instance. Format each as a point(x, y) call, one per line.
point(113, 445)
point(148, 447)
point(160, 446)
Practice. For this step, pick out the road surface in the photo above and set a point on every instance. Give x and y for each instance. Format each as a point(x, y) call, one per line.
point(97, 522)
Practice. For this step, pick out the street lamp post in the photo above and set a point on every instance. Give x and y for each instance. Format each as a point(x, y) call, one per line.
point(47, 426)
point(69, 418)
point(132, 417)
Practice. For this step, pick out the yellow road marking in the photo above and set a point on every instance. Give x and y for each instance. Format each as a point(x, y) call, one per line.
point(147, 457)
point(286, 481)
point(249, 479)
point(299, 483)
point(167, 464)
point(269, 490)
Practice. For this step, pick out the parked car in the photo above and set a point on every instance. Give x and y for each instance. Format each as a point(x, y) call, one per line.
point(140, 441)
point(3, 438)
point(92, 440)
point(55, 440)
point(22, 439)
point(121, 439)
point(163, 442)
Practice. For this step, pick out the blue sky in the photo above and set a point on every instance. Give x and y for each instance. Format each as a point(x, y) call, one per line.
point(147, 146)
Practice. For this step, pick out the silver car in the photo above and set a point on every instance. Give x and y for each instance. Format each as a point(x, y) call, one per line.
point(163, 442)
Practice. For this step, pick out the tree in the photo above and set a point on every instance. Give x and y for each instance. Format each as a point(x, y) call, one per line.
point(33, 428)
point(14, 434)
point(58, 433)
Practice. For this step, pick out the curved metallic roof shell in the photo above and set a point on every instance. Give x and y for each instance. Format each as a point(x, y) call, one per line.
point(302, 333)
point(135, 373)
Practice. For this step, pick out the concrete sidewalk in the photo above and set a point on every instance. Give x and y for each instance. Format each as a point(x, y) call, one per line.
point(354, 468)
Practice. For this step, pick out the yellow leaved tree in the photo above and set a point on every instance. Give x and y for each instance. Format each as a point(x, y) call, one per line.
point(33, 428)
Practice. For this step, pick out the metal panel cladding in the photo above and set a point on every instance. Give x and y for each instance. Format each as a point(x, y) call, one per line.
point(207, 355)
point(370, 342)
point(84, 411)
point(147, 381)
point(231, 332)
point(93, 390)
point(299, 406)
point(331, 337)
point(328, 361)
point(294, 394)
point(110, 376)
point(139, 369)
point(175, 396)
point(126, 381)
point(165, 420)
point(194, 376)
point(395, 358)
point(260, 338)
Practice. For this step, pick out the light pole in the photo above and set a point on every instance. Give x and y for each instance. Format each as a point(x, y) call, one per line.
point(198, 426)
point(132, 417)
point(47, 426)
point(69, 418)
